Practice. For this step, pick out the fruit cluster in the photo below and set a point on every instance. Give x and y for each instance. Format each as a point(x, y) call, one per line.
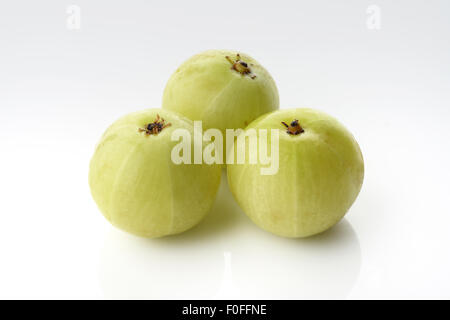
point(139, 189)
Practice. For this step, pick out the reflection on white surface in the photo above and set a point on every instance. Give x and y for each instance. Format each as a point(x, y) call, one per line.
point(326, 266)
point(133, 268)
point(228, 257)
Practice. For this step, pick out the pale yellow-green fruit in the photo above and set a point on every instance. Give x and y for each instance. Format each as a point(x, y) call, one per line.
point(206, 88)
point(138, 187)
point(320, 174)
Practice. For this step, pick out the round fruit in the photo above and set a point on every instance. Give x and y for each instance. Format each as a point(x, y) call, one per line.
point(320, 174)
point(137, 186)
point(224, 89)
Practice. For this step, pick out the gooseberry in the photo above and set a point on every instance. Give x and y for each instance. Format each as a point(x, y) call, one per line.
point(224, 89)
point(320, 174)
point(138, 187)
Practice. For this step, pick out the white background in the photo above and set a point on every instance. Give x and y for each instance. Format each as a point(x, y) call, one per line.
point(60, 89)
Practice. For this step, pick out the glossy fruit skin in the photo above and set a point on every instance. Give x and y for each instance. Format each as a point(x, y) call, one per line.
point(136, 185)
point(206, 88)
point(320, 174)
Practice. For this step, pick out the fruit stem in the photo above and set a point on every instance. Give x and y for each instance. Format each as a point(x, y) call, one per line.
point(294, 128)
point(240, 66)
point(155, 127)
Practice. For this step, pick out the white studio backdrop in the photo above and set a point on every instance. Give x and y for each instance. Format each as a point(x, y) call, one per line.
point(68, 70)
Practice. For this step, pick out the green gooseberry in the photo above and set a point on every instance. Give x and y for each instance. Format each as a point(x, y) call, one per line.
point(224, 89)
point(320, 174)
point(138, 187)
